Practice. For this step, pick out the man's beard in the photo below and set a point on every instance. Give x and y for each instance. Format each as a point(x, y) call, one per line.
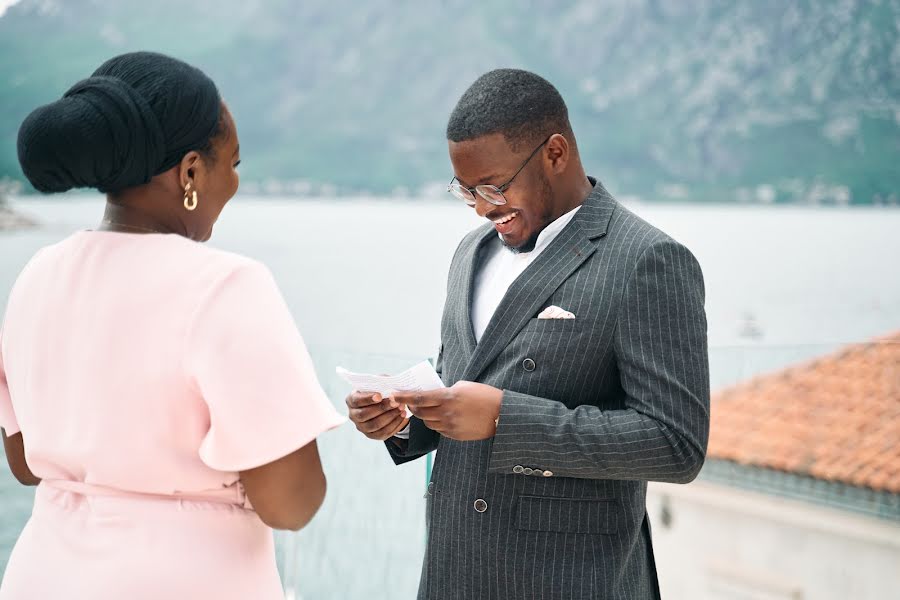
point(525, 247)
point(546, 218)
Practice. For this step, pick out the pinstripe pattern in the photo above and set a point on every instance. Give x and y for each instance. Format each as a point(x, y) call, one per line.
point(618, 396)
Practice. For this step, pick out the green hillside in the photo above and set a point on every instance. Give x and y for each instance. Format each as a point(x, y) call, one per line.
point(749, 100)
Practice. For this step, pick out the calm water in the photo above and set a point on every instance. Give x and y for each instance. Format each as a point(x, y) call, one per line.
point(366, 278)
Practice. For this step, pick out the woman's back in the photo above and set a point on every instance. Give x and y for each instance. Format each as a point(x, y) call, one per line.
point(146, 371)
point(99, 324)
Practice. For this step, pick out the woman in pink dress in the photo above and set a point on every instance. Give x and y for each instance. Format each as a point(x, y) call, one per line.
point(155, 390)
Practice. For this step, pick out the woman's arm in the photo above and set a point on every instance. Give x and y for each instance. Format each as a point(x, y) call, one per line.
point(288, 492)
point(15, 456)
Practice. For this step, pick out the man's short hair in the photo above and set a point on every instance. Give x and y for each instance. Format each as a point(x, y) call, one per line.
point(521, 105)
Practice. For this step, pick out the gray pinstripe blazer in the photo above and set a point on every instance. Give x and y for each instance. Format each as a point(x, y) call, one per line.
point(593, 408)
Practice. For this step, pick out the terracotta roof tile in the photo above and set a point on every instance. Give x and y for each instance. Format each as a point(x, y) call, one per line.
point(836, 418)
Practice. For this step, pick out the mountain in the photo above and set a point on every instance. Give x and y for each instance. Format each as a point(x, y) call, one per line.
point(707, 100)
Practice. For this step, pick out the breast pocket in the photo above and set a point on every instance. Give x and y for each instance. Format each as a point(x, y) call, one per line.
point(544, 345)
point(552, 334)
point(538, 327)
point(567, 515)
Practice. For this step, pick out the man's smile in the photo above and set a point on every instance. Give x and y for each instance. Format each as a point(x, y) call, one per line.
point(504, 224)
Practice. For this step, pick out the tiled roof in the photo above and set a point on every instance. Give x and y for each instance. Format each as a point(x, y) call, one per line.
point(834, 419)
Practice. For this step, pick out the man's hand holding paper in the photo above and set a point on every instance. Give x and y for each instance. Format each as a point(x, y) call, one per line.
point(375, 416)
point(373, 405)
point(466, 411)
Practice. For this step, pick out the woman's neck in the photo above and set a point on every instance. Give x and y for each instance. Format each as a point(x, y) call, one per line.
point(131, 219)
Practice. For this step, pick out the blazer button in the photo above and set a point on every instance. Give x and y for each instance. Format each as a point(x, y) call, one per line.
point(518, 469)
point(548, 473)
point(480, 506)
point(528, 471)
point(528, 364)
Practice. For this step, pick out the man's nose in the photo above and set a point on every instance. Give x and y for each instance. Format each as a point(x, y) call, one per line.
point(482, 206)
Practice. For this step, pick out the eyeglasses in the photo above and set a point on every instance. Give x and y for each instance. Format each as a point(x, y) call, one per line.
point(491, 193)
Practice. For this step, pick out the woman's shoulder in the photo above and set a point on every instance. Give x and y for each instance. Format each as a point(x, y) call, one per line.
point(210, 266)
point(217, 258)
point(160, 257)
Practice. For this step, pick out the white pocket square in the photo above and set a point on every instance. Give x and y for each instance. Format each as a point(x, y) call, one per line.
point(555, 312)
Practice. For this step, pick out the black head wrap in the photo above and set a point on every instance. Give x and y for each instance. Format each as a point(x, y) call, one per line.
point(135, 117)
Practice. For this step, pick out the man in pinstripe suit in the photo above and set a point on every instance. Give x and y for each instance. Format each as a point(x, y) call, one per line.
point(573, 345)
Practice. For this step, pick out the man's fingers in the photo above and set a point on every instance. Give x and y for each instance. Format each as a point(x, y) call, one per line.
point(390, 429)
point(404, 421)
point(367, 413)
point(434, 417)
point(414, 399)
point(361, 399)
point(428, 413)
point(380, 422)
point(436, 425)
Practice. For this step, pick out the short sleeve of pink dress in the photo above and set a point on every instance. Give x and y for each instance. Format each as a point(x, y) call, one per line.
point(7, 414)
point(252, 369)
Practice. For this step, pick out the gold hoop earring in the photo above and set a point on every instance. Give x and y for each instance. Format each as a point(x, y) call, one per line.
point(190, 202)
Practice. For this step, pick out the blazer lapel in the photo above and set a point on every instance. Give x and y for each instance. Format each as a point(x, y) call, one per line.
point(469, 262)
point(574, 245)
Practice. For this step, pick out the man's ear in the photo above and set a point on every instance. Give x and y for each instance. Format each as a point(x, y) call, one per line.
point(189, 169)
point(557, 153)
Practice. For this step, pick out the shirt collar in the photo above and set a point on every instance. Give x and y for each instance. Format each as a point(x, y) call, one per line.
point(549, 233)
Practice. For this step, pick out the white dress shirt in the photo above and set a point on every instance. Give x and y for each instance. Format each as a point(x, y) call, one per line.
point(499, 269)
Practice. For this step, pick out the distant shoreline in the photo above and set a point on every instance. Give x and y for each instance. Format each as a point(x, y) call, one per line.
point(10, 220)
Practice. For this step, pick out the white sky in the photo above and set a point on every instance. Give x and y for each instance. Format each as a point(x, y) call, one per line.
point(4, 4)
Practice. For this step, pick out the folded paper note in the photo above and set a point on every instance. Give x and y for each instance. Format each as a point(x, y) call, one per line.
point(419, 378)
